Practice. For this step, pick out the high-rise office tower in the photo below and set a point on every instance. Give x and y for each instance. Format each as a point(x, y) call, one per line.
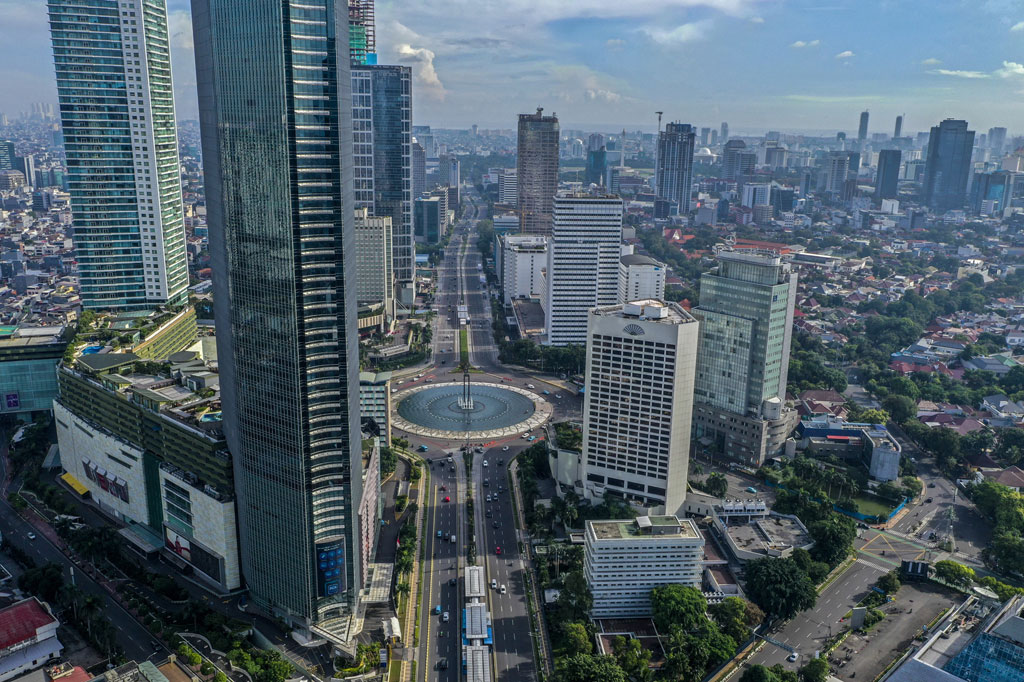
point(888, 174)
point(705, 136)
point(723, 136)
point(638, 404)
point(382, 119)
point(419, 169)
point(991, 193)
point(997, 140)
point(899, 127)
point(731, 159)
point(508, 186)
point(583, 263)
point(113, 65)
point(6, 155)
point(449, 170)
point(862, 130)
point(756, 194)
point(375, 269)
point(362, 41)
point(597, 166)
point(948, 165)
point(537, 170)
point(595, 141)
point(276, 115)
point(837, 171)
point(746, 320)
point(674, 171)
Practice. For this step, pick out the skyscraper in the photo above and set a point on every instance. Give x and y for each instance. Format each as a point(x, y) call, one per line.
point(419, 169)
point(899, 126)
point(888, 174)
point(837, 171)
point(382, 119)
point(375, 269)
point(6, 155)
point(276, 117)
point(723, 136)
point(113, 67)
point(362, 41)
point(991, 193)
point(537, 170)
point(997, 140)
point(674, 171)
point(597, 166)
point(731, 159)
point(746, 318)
point(947, 165)
point(862, 130)
point(583, 263)
point(638, 403)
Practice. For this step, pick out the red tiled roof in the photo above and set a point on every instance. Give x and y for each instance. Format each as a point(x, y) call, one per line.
point(20, 621)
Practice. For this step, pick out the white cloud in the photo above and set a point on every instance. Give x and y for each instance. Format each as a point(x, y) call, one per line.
point(1010, 69)
point(959, 73)
point(615, 43)
point(802, 43)
point(931, 61)
point(757, 20)
point(845, 54)
point(426, 75)
point(684, 33)
point(179, 29)
point(579, 83)
point(832, 99)
point(1019, 26)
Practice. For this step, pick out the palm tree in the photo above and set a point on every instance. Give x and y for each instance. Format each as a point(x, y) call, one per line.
point(403, 589)
point(91, 607)
point(72, 597)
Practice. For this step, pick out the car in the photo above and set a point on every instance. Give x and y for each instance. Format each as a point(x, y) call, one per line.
point(526, 435)
point(31, 535)
point(394, 390)
point(442, 664)
point(532, 438)
point(440, 534)
point(488, 498)
point(932, 484)
point(504, 449)
point(449, 459)
point(445, 617)
point(401, 381)
point(751, 489)
point(423, 448)
point(155, 644)
point(497, 550)
point(453, 539)
point(443, 487)
point(487, 484)
point(530, 386)
point(447, 498)
point(444, 362)
point(558, 396)
point(496, 524)
point(488, 514)
point(452, 469)
point(430, 381)
point(928, 501)
point(437, 609)
point(419, 376)
point(453, 581)
point(485, 463)
point(494, 584)
point(503, 590)
point(792, 657)
point(546, 392)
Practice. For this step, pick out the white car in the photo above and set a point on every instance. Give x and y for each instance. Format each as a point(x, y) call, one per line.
point(526, 435)
point(792, 657)
point(505, 449)
point(494, 584)
point(445, 617)
point(485, 463)
point(503, 590)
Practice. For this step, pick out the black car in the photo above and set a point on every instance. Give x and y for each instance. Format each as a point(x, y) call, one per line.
point(497, 525)
point(488, 513)
point(487, 484)
point(453, 581)
point(442, 664)
point(928, 501)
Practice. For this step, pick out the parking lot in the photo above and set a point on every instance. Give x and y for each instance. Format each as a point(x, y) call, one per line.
point(916, 605)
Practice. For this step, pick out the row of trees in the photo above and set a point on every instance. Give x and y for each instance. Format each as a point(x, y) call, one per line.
point(1005, 507)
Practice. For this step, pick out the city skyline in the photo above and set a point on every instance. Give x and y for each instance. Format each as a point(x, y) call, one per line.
point(598, 64)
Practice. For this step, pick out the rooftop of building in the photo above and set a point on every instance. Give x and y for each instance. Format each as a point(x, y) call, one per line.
point(638, 259)
point(767, 534)
point(650, 309)
point(15, 336)
point(375, 378)
point(19, 622)
point(643, 527)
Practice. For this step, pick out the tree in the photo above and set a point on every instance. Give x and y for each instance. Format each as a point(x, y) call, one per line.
point(816, 670)
point(815, 570)
point(779, 587)
point(577, 639)
point(574, 599)
point(633, 658)
point(874, 416)
point(954, 573)
point(760, 673)
point(677, 605)
point(586, 668)
point(734, 616)
point(833, 537)
point(912, 486)
point(716, 484)
point(889, 583)
point(900, 407)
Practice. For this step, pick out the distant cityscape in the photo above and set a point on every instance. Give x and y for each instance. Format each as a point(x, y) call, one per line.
point(309, 389)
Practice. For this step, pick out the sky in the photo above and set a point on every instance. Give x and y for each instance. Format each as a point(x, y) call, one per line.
point(789, 65)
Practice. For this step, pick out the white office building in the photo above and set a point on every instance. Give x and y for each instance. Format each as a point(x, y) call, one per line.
point(624, 560)
point(640, 277)
point(582, 264)
point(756, 194)
point(508, 186)
point(523, 259)
point(636, 414)
point(375, 271)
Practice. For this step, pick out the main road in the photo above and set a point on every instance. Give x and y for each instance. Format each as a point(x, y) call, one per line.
point(460, 282)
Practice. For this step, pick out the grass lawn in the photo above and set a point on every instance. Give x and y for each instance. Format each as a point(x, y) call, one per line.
point(464, 347)
point(873, 506)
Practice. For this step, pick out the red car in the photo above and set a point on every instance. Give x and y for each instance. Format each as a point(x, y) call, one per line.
point(497, 550)
point(447, 499)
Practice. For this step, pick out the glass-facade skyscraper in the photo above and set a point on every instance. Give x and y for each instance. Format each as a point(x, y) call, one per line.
point(276, 115)
point(537, 170)
point(113, 66)
point(888, 174)
point(382, 121)
point(948, 165)
point(674, 172)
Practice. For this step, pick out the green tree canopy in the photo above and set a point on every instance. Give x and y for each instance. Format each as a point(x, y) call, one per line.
point(677, 606)
point(779, 587)
point(833, 538)
point(587, 668)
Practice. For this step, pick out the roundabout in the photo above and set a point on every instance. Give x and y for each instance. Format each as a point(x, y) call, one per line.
point(463, 410)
